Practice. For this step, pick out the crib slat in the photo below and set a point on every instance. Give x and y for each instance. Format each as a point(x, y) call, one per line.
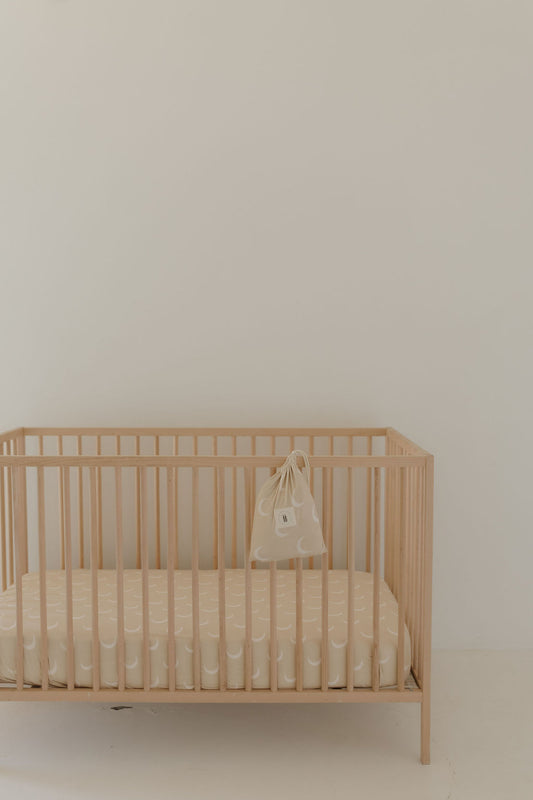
point(61, 500)
point(410, 548)
point(138, 505)
point(299, 626)
point(426, 557)
point(326, 487)
point(416, 560)
point(368, 506)
point(9, 504)
point(221, 561)
point(272, 452)
point(325, 482)
point(386, 517)
point(21, 506)
point(145, 564)
point(248, 656)
point(325, 622)
point(42, 578)
point(390, 541)
point(273, 628)
point(176, 504)
point(350, 565)
point(325, 512)
point(215, 506)
point(3, 542)
point(346, 471)
point(99, 506)
point(197, 675)
point(411, 581)
point(311, 562)
point(291, 448)
point(397, 523)
point(234, 506)
point(171, 558)
point(19, 569)
point(94, 578)
point(65, 481)
point(401, 582)
point(330, 508)
point(252, 488)
point(121, 639)
point(421, 570)
point(81, 520)
point(392, 478)
point(408, 551)
point(391, 515)
point(416, 602)
point(377, 575)
point(157, 503)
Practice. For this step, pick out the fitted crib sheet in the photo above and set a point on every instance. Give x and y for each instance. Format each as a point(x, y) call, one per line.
point(209, 634)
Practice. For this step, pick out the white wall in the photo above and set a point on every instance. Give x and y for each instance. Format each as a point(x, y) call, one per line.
point(285, 213)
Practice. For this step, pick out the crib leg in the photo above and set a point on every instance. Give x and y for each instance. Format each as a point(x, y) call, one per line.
point(425, 730)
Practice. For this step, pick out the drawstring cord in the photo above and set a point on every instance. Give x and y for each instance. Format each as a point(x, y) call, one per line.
point(292, 461)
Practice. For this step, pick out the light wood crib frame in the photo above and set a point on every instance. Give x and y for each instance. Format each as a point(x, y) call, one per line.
point(183, 498)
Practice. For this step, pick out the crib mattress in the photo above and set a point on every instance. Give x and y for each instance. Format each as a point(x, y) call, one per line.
point(209, 635)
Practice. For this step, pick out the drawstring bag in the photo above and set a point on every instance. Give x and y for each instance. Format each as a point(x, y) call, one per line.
point(286, 523)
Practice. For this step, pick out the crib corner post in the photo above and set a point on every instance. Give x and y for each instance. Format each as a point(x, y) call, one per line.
point(425, 709)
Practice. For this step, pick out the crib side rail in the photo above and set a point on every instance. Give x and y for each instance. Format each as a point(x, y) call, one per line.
point(146, 487)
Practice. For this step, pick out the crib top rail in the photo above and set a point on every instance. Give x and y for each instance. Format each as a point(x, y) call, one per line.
point(86, 442)
point(209, 461)
point(207, 447)
point(203, 431)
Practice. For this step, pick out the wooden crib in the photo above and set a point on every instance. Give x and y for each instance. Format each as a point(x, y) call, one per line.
point(125, 550)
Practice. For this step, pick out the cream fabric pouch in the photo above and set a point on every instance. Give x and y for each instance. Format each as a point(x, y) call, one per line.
point(286, 523)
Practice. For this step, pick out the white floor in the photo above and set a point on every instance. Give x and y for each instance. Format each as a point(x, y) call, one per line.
point(482, 745)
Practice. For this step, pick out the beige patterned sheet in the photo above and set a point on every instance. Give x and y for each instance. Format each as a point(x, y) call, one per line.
point(235, 629)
